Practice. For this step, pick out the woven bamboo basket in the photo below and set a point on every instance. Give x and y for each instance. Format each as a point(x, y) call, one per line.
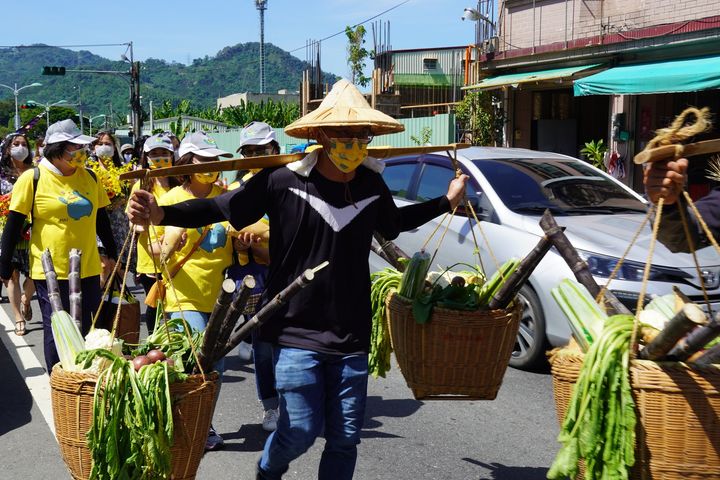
point(678, 408)
point(457, 354)
point(72, 398)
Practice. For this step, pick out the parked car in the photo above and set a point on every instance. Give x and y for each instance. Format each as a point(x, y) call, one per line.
point(510, 189)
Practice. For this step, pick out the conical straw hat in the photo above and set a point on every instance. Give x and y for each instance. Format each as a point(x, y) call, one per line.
point(344, 106)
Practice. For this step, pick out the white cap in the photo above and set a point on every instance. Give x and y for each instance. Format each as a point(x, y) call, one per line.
point(200, 144)
point(256, 133)
point(159, 140)
point(126, 146)
point(66, 131)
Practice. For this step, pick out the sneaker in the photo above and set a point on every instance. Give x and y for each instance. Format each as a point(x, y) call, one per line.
point(269, 423)
point(245, 351)
point(214, 441)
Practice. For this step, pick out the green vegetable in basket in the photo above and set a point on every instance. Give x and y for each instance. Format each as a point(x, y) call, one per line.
point(413, 279)
point(585, 316)
point(455, 296)
point(493, 285)
point(599, 425)
point(382, 284)
point(68, 339)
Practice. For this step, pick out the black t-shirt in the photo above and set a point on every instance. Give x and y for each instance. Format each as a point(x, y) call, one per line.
point(313, 219)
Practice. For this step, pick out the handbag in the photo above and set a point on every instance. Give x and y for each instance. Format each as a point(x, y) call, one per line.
point(157, 291)
point(128, 327)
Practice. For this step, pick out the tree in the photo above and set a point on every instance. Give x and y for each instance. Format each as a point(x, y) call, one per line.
point(357, 55)
point(480, 119)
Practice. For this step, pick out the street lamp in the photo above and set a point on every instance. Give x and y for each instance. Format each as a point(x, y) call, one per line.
point(47, 107)
point(93, 118)
point(16, 91)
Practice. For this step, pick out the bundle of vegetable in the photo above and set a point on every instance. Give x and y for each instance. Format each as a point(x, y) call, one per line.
point(382, 283)
point(599, 425)
point(493, 285)
point(132, 429)
point(171, 339)
point(585, 316)
point(413, 278)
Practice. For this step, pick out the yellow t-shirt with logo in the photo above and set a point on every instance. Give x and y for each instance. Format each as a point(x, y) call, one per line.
point(144, 259)
point(198, 283)
point(260, 228)
point(64, 218)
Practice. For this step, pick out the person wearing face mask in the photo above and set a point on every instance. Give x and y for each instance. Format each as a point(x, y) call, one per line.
point(324, 207)
point(126, 152)
point(16, 159)
point(197, 268)
point(67, 207)
point(105, 152)
point(39, 144)
point(158, 152)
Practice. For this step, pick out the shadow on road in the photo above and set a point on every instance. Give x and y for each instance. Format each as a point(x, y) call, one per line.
point(499, 471)
point(250, 438)
point(15, 398)
point(379, 407)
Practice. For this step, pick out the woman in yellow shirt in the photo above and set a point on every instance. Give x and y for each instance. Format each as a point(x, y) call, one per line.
point(67, 208)
point(158, 152)
point(192, 292)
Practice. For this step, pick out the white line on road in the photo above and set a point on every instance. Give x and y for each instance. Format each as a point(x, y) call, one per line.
point(25, 360)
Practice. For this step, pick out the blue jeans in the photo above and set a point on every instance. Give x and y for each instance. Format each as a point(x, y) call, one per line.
point(197, 321)
point(264, 373)
point(317, 391)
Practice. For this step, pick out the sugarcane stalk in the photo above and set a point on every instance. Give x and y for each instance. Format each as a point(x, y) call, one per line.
point(75, 296)
point(578, 265)
point(512, 285)
point(388, 251)
point(231, 317)
point(690, 317)
point(51, 281)
point(710, 356)
point(269, 309)
point(212, 329)
point(696, 340)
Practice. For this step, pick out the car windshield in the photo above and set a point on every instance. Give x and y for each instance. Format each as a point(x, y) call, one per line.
point(565, 186)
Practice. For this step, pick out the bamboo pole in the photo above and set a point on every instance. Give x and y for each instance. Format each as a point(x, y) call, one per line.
point(690, 317)
point(577, 264)
point(212, 329)
point(668, 152)
point(512, 285)
point(269, 309)
point(75, 296)
point(232, 315)
point(696, 340)
point(51, 281)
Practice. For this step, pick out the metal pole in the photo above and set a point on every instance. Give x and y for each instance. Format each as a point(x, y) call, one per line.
point(17, 115)
point(47, 114)
point(152, 120)
point(262, 50)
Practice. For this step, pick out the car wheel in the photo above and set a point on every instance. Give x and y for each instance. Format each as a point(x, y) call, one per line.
point(529, 351)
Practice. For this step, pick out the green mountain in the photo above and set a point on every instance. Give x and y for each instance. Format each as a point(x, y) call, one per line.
point(232, 70)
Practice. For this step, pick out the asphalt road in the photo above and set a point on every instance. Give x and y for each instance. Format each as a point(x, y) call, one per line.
point(510, 438)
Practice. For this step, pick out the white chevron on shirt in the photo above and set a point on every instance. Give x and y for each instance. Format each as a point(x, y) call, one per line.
point(337, 218)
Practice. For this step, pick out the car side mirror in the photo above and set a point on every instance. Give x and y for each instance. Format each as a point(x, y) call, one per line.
point(475, 204)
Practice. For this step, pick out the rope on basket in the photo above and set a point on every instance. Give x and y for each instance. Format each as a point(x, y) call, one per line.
point(691, 246)
point(109, 282)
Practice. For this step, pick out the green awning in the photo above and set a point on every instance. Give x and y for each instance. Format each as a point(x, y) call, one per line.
point(516, 79)
point(425, 80)
point(660, 77)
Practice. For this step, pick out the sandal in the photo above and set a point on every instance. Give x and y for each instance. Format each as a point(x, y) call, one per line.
point(25, 309)
point(20, 328)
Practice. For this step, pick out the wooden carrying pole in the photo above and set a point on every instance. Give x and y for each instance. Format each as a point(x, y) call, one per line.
point(668, 152)
point(269, 161)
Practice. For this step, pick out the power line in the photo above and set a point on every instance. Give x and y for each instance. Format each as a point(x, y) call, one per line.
point(66, 46)
point(354, 26)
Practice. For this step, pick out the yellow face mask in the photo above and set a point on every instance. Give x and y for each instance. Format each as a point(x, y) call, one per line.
point(160, 162)
point(347, 154)
point(206, 178)
point(78, 158)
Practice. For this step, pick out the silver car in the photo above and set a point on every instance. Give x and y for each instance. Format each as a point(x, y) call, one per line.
point(510, 188)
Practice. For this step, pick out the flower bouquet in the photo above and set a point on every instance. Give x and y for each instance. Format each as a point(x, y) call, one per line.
point(4, 209)
point(117, 190)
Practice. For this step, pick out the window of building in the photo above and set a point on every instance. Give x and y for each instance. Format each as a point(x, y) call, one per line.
point(430, 63)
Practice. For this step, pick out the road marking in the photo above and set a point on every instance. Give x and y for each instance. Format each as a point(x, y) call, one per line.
point(25, 360)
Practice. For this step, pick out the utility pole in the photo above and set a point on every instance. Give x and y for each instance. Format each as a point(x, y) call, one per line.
point(261, 5)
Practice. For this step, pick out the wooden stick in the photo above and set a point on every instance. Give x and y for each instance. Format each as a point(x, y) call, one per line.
point(389, 252)
point(269, 309)
point(668, 152)
point(75, 296)
point(577, 264)
point(696, 340)
point(51, 281)
point(269, 161)
point(212, 329)
point(517, 279)
point(710, 356)
point(232, 315)
point(684, 321)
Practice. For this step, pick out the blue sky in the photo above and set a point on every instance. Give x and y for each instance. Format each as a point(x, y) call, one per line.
point(182, 30)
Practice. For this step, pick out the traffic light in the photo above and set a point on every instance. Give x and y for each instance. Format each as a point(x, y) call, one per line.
point(25, 106)
point(53, 70)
